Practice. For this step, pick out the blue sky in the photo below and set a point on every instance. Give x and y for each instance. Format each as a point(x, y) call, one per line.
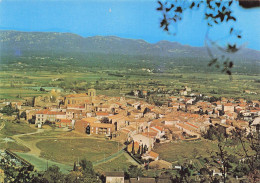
point(136, 19)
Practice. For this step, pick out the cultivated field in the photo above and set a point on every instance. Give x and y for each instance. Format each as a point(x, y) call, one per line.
point(17, 85)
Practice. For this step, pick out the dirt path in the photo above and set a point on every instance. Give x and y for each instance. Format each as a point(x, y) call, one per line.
point(34, 150)
point(29, 144)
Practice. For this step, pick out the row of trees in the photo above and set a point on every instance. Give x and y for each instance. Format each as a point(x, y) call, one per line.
point(82, 173)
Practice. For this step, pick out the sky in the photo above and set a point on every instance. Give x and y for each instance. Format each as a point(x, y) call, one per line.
point(135, 19)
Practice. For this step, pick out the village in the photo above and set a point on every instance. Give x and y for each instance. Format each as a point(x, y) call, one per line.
point(137, 123)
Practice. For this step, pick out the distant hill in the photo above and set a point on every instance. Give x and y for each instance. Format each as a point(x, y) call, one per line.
point(16, 43)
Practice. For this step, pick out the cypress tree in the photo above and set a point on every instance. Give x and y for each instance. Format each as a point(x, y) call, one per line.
point(133, 148)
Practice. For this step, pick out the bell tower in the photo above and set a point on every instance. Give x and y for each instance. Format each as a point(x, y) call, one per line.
point(92, 93)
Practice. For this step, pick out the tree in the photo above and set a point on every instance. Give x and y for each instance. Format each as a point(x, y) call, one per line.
point(166, 176)
point(88, 129)
point(42, 89)
point(142, 149)
point(87, 166)
point(8, 110)
point(104, 120)
point(216, 12)
point(139, 150)
point(53, 174)
point(32, 121)
point(251, 151)
point(145, 148)
point(134, 172)
point(224, 164)
point(23, 115)
point(133, 148)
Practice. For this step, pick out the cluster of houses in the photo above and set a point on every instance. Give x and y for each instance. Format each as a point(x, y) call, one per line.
point(132, 120)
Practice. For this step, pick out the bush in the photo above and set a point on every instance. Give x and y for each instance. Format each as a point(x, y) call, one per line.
point(8, 110)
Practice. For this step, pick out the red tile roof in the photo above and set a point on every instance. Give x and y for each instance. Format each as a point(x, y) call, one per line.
point(102, 113)
point(42, 111)
point(159, 128)
point(77, 95)
point(192, 125)
point(65, 120)
point(153, 154)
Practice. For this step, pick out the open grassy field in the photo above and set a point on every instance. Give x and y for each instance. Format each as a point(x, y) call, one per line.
point(10, 129)
point(181, 152)
point(120, 163)
point(13, 146)
point(178, 152)
point(41, 164)
point(68, 151)
point(46, 134)
point(13, 128)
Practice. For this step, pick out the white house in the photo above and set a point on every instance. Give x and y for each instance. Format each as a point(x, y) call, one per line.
point(142, 139)
point(159, 130)
point(114, 177)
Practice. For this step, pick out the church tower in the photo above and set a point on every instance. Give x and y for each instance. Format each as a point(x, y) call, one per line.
point(92, 93)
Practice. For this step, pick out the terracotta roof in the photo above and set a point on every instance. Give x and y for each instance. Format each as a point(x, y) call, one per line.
point(77, 95)
point(56, 113)
point(65, 120)
point(118, 116)
point(102, 113)
point(149, 134)
point(76, 106)
point(153, 154)
point(103, 125)
point(185, 126)
point(192, 125)
point(50, 112)
point(125, 131)
point(136, 144)
point(228, 104)
point(42, 111)
point(90, 119)
point(159, 128)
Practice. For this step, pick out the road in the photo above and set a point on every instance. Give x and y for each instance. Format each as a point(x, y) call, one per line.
point(29, 144)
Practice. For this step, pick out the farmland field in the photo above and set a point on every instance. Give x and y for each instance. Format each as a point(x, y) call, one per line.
point(17, 85)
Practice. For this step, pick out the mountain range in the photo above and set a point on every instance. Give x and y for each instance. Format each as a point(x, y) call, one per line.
point(13, 43)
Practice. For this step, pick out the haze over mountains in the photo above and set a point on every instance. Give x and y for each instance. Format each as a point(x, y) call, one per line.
point(67, 42)
point(16, 43)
